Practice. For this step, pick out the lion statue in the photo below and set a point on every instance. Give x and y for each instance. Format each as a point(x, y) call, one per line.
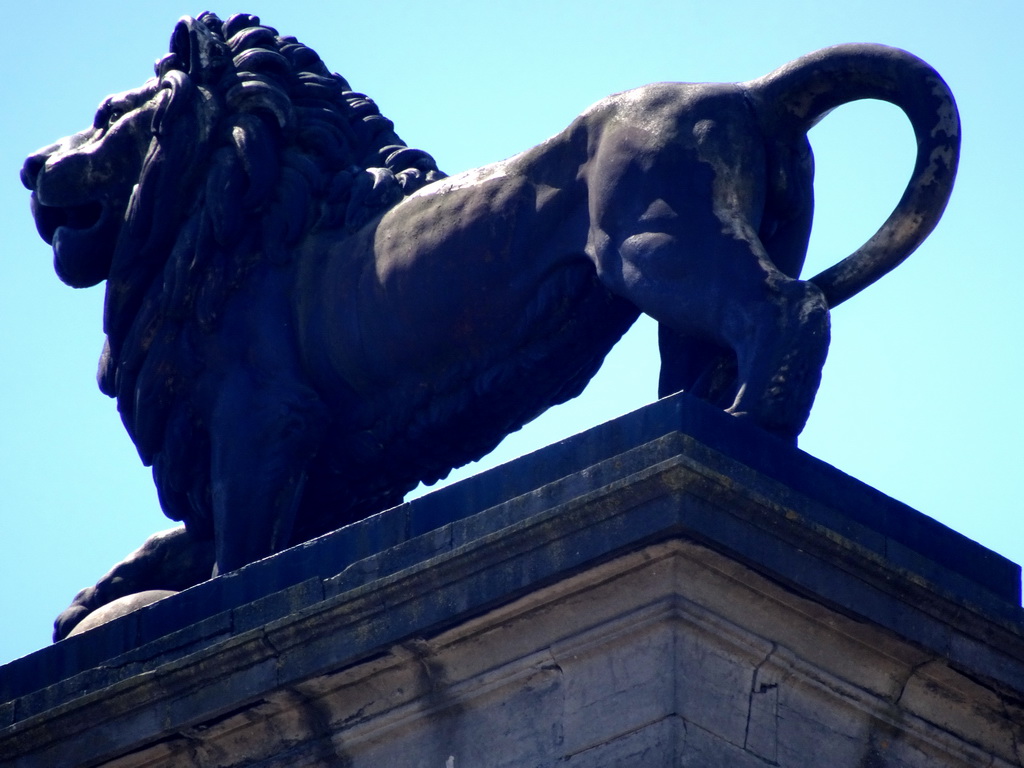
point(305, 318)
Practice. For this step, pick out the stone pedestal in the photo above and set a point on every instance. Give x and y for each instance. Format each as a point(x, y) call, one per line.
point(668, 589)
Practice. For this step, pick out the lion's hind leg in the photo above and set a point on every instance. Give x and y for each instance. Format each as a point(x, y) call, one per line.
point(735, 308)
point(702, 368)
point(780, 354)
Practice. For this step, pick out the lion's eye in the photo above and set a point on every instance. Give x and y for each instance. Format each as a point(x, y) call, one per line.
point(109, 114)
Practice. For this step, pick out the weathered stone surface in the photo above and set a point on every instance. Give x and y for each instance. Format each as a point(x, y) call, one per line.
point(118, 608)
point(662, 591)
point(293, 350)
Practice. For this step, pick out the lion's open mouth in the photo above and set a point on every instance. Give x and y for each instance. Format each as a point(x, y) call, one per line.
point(83, 239)
point(49, 218)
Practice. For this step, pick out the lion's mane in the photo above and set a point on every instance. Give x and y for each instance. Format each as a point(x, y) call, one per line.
point(267, 146)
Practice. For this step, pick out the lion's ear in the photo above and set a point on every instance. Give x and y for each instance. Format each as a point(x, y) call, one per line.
point(175, 91)
point(197, 49)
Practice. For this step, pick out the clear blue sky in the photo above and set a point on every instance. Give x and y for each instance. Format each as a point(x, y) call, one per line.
point(921, 396)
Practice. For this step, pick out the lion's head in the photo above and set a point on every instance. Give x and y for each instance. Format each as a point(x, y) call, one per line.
point(82, 221)
point(241, 145)
point(278, 134)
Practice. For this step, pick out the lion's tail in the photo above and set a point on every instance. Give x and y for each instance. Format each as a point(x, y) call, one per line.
point(796, 96)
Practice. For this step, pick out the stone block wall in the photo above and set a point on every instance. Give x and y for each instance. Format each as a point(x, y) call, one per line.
point(665, 590)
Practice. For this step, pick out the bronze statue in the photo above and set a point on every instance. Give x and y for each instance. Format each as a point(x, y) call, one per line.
point(305, 317)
